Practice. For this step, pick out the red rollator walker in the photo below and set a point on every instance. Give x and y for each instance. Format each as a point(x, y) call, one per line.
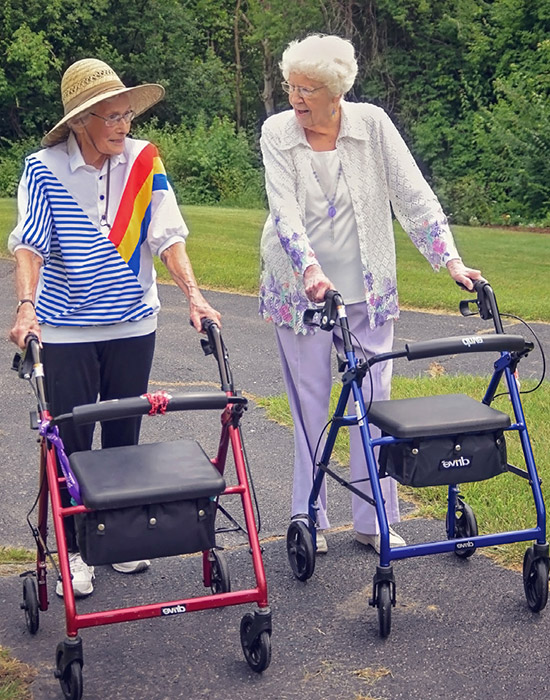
point(142, 502)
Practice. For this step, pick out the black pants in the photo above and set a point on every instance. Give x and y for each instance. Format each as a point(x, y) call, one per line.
point(79, 373)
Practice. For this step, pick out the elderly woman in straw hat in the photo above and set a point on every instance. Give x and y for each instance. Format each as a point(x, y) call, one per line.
point(334, 171)
point(94, 208)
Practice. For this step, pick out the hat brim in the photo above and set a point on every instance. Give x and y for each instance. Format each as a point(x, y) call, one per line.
point(142, 97)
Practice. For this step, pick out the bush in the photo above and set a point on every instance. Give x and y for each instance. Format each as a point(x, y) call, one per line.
point(209, 163)
point(12, 158)
point(206, 164)
point(465, 199)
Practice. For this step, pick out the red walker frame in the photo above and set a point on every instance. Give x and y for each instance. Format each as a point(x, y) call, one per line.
point(255, 628)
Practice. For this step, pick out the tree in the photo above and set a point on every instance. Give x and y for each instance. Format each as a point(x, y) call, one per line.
point(267, 26)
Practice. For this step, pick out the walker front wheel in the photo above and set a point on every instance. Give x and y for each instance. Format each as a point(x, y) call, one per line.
point(300, 551)
point(384, 605)
point(71, 681)
point(30, 605)
point(535, 580)
point(257, 651)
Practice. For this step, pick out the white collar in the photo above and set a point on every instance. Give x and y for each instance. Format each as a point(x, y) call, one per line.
point(77, 161)
point(294, 134)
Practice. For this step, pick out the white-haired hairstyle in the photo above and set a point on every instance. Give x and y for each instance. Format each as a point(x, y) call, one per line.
point(328, 59)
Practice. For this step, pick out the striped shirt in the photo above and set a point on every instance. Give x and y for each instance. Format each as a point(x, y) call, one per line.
point(92, 280)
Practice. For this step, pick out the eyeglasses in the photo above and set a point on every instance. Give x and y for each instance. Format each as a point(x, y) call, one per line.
point(302, 91)
point(114, 119)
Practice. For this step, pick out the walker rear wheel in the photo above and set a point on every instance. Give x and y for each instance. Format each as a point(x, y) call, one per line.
point(535, 580)
point(465, 527)
point(30, 605)
point(299, 548)
point(220, 580)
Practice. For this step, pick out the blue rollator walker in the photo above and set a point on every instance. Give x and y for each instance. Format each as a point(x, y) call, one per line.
point(430, 441)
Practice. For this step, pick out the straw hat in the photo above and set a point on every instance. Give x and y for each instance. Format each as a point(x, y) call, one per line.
point(89, 81)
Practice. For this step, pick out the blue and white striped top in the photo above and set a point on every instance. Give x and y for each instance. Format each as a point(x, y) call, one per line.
point(84, 280)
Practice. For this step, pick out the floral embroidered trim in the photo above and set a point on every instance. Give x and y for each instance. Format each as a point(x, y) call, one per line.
point(294, 248)
point(430, 238)
point(284, 308)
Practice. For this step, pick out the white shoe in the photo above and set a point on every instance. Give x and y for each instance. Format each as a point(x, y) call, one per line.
point(374, 540)
point(132, 567)
point(321, 543)
point(81, 575)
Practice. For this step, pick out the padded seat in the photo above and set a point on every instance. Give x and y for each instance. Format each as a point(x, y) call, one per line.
point(429, 416)
point(161, 472)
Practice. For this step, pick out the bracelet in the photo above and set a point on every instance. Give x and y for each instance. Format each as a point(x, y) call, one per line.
point(24, 301)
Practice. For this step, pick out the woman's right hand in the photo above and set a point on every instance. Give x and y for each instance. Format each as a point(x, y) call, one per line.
point(316, 283)
point(25, 323)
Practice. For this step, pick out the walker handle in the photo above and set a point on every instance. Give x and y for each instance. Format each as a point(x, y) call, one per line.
point(140, 406)
point(467, 344)
point(215, 346)
point(328, 312)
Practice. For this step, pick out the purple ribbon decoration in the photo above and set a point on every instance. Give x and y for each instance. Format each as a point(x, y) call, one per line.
point(51, 433)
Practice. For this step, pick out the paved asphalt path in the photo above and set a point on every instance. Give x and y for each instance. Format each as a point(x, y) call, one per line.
point(461, 629)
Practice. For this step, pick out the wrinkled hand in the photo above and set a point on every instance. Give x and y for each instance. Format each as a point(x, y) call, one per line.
point(316, 283)
point(199, 308)
point(25, 323)
point(462, 274)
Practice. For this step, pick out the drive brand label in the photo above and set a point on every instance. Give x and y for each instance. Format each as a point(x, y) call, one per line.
point(458, 463)
point(472, 340)
point(173, 610)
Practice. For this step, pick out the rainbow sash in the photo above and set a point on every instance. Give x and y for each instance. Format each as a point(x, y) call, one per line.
point(131, 223)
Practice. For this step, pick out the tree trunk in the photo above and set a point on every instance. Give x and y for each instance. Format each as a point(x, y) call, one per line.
point(268, 94)
point(238, 66)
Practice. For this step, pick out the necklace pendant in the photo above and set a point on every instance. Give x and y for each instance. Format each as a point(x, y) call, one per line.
point(332, 211)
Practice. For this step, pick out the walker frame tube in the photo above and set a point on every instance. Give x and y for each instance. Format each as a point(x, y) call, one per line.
point(51, 483)
point(505, 365)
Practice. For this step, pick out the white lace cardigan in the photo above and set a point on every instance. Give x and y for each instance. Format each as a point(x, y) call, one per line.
point(381, 175)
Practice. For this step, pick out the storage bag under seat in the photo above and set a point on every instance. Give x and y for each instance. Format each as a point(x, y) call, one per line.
point(450, 439)
point(150, 500)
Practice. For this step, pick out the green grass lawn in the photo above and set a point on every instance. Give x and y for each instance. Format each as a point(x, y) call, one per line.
point(224, 249)
point(15, 677)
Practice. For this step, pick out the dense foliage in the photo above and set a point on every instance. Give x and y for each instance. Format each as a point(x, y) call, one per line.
point(466, 81)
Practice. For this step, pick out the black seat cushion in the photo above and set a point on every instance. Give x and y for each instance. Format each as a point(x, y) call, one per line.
point(118, 477)
point(449, 414)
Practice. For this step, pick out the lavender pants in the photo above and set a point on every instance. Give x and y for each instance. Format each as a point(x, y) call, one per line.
point(306, 365)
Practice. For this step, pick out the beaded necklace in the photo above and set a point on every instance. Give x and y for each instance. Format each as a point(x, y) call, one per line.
point(331, 211)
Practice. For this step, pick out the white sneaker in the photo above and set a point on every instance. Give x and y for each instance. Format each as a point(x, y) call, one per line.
point(321, 543)
point(374, 540)
point(81, 575)
point(132, 567)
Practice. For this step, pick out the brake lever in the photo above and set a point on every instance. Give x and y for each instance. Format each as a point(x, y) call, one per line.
point(309, 317)
point(464, 307)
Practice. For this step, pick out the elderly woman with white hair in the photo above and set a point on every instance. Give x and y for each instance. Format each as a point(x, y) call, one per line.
point(94, 207)
point(335, 171)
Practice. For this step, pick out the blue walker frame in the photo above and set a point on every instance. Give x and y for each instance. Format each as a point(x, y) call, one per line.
point(301, 538)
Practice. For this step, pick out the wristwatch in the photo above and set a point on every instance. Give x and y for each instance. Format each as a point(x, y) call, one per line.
point(23, 301)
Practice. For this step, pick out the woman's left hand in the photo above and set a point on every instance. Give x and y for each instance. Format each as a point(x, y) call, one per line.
point(462, 274)
point(316, 283)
